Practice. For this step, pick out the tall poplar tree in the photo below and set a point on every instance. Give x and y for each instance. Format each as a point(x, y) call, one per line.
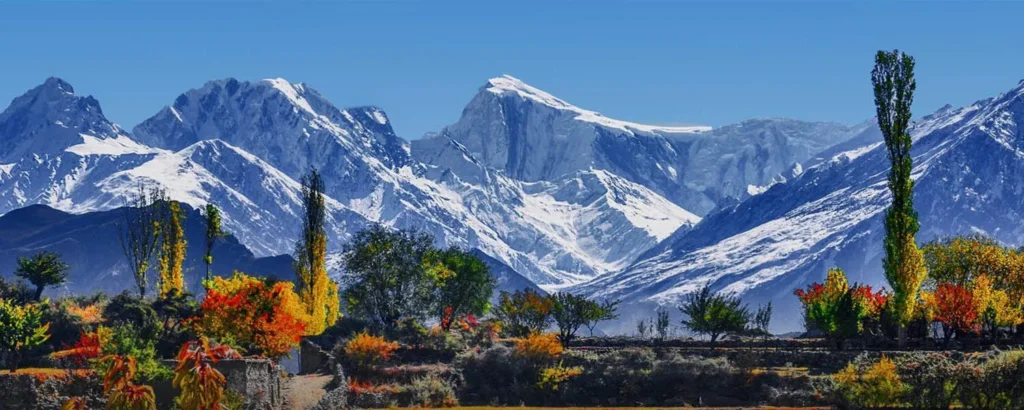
point(172, 250)
point(319, 294)
point(213, 231)
point(894, 84)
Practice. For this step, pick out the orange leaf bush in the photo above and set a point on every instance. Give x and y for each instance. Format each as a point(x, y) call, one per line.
point(539, 347)
point(366, 350)
point(89, 346)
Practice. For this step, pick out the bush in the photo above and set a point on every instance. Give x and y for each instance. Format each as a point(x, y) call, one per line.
point(430, 391)
point(877, 385)
point(997, 382)
point(539, 348)
point(125, 309)
point(933, 380)
point(495, 376)
point(124, 342)
point(365, 351)
point(551, 377)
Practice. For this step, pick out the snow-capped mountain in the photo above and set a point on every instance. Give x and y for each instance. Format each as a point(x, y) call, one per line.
point(968, 168)
point(244, 145)
point(531, 135)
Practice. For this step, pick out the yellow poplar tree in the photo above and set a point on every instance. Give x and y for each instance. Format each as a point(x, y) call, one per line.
point(172, 251)
point(319, 294)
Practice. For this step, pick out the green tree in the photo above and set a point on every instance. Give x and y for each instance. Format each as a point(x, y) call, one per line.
point(316, 290)
point(569, 312)
point(139, 233)
point(42, 269)
point(523, 312)
point(894, 84)
point(606, 310)
point(213, 231)
point(386, 270)
point(21, 327)
point(462, 285)
point(714, 314)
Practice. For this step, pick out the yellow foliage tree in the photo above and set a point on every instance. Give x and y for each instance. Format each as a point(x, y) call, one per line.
point(172, 250)
point(317, 291)
point(994, 305)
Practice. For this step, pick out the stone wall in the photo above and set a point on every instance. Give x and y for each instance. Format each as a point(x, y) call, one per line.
point(44, 391)
point(256, 380)
point(313, 359)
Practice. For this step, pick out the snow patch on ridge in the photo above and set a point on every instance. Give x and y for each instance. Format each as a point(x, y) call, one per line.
point(509, 84)
point(119, 145)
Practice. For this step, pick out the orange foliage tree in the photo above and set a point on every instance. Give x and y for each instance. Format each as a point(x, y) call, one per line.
point(954, 307)
point(253, 316)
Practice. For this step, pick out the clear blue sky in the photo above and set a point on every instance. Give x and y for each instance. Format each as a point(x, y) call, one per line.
point(664, 62)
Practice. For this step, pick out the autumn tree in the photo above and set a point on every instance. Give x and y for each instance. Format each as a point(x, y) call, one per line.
point(139, 232)
point(894, 84)
point(172, 249)
point(523, 312)
point(41, 270)
point(21, 327)
point(960, 259)
point(213, 231)
point(253, 315)
point(386, 270)
point(954, 307)
point(714, 314)
point(461, 284)
point(839, 310)
point(995, 307)
point(318, 292)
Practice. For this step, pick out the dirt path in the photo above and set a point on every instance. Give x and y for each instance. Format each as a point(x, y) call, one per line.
point(303, 392)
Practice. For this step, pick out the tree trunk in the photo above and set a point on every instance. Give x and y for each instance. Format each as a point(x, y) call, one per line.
point(12, 360)
point(39, 293)
point(902, 335)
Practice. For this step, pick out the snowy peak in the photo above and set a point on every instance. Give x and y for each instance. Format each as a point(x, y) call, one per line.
point(290, 125)
point(49, 118)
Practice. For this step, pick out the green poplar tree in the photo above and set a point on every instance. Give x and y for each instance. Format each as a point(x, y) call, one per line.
point(894, 84)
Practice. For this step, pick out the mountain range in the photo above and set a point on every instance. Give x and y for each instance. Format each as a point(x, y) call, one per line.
point(969, 178)
point(552, 194)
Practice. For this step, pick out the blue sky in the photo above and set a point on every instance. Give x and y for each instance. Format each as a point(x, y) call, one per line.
point(663, 62)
